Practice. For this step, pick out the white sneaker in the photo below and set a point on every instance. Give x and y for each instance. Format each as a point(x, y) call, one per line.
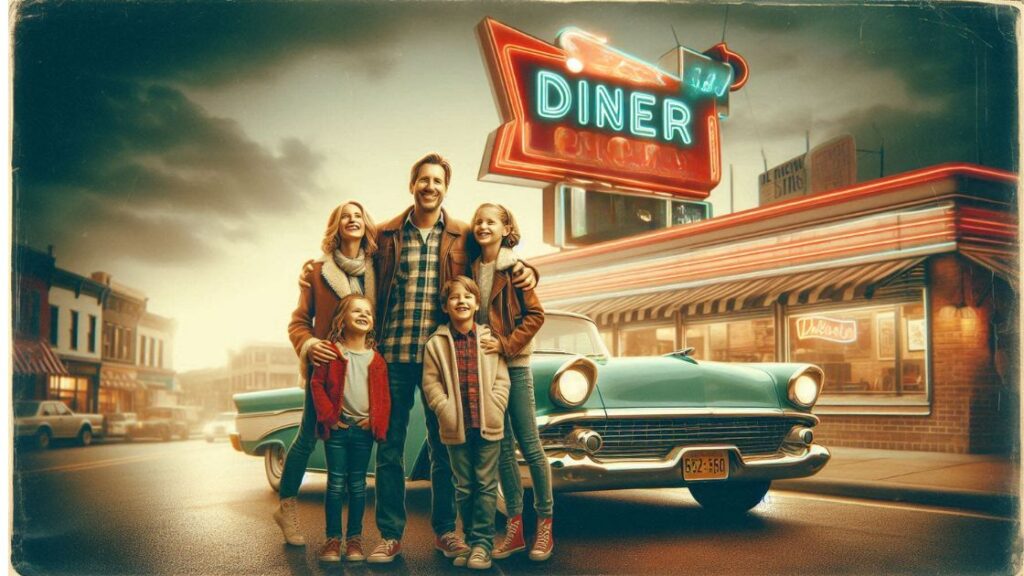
point(479, 559)
point(287, 517)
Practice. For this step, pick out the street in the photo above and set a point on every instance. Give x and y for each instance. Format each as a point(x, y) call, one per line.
point(197, 508)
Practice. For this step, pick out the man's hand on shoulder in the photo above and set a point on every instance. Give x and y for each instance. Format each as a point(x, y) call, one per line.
point(322, 353)
point(306, 274)
point(523, 277)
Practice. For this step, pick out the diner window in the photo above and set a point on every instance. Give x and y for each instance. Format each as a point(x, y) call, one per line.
point(73, 391)
point(870, 355)
point(733, 340)
point(647, 340)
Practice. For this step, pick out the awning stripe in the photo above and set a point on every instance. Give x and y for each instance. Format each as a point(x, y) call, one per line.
point(36, 357)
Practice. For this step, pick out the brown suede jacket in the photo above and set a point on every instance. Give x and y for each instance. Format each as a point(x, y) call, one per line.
point(514, 315)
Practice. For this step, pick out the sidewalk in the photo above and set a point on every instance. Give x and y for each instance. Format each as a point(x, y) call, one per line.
point(982, 483)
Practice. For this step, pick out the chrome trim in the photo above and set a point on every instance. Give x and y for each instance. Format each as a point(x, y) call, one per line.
point(614, 413)
point(580, 438)
point(575, 472)
point(584, 365)
point(805, 370)
point(267, 413)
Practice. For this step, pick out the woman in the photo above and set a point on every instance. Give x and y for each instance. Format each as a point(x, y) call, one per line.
point(346, 267)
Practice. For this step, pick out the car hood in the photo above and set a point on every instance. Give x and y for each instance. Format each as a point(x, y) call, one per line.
point(672, 382)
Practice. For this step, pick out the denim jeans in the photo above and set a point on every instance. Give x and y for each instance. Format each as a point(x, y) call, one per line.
point(348, 456)
point(475, 465)
point(521, 422)
point(405, 380)
point(298, 454)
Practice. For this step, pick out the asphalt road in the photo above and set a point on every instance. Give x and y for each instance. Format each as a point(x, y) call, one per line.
point(197, 508)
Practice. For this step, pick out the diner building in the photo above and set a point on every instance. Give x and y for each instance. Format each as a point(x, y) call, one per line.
point(904, 290)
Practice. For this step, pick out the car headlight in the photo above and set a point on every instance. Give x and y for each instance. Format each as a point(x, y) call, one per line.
point(805, 386)
point(573, 382)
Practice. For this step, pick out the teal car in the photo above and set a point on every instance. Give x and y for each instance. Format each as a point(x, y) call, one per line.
point(724, 431)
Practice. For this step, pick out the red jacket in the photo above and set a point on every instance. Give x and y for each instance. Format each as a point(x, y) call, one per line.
point(328, 385)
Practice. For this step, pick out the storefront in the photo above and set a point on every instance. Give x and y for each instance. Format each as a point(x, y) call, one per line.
point(79, 388)
point(904, 290)
point(35, 364)
point(120, 390)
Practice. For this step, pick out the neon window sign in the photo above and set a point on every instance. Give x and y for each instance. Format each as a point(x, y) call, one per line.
point(583, 112)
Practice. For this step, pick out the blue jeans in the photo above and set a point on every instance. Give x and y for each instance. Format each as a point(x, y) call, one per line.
point(298, 454)
point(348, 456)
point(475, 465)
point(521, 421)
point(405, 380)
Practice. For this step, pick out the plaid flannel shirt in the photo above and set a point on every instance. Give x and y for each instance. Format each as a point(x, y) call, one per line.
point(469, 376)
point(414, 293)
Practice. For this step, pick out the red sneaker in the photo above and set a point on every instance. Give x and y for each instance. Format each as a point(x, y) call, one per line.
point(354, 549)
point(385, 552)
point(544, 545)
point(451, 545)
point(513, 542)
point(331, 551)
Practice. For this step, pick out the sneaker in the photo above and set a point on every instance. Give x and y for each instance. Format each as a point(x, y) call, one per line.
point(451, 545)
point(479, 559)
point(287, 517)
point(460, 561)
point(514, 541)
point(544, 545)
point(385, 552)
point(354, 549)
point(331, 552)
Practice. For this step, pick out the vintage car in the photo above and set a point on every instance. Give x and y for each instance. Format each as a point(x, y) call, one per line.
point(724, 431)
point(221, 426)
point(117, 424)
point(163, 422)
point(43, 421)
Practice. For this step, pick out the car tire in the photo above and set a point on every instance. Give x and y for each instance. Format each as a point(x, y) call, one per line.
point(85, 437)
point(43, 439)
point(730, 498)
point(273, 464)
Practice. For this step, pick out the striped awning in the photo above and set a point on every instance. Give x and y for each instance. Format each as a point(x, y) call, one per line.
point(835, 284)
point(1000, 263)
point(118, 378)
point(36, 357)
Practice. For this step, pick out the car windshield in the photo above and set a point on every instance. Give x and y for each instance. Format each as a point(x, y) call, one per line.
point(24, 409)
point(570, 335)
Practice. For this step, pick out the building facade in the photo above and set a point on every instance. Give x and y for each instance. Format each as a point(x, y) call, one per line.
point(154, 358)
point(76, 322)
point(904, 290)
point(34, 361)
point(120, 390)
point(258, 366)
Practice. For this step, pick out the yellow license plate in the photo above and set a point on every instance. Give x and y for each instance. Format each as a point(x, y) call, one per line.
point(707, 465)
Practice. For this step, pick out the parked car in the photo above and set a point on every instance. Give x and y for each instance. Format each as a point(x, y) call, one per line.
point(163, 422)
point(117, 424)
point(46, 420)
point(222, 426)
point(724, 431)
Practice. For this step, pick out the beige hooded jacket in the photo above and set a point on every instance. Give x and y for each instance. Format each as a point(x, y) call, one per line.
point(441, 387)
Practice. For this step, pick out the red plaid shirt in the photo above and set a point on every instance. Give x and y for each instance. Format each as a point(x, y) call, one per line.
point(469, 376)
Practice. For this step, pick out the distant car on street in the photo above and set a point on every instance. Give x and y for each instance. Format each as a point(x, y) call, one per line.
point(117, 424)
point(163, 422)
point(724, 431)
point(222, 426)
point(46, 420)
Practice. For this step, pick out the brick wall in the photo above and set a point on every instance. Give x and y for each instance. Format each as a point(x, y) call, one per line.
point(973, 411)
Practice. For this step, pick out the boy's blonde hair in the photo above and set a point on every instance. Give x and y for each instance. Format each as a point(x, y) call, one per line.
point(466, 282)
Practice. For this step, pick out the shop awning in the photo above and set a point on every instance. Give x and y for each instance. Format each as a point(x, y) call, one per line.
point(836, 284)
point(118, 378)
point(1001, 263)
point(35, 357)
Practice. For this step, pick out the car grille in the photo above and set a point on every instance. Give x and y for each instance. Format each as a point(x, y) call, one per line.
point(656, 437)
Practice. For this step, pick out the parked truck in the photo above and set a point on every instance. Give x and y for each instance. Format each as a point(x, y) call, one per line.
point(42, 421)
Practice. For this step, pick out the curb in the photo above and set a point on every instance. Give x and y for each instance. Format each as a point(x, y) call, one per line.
point(975, 500)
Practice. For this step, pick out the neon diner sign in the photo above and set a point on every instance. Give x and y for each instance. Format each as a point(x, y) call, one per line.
point(585, 112)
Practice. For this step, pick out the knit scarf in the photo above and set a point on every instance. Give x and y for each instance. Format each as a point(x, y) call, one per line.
point(352, 267)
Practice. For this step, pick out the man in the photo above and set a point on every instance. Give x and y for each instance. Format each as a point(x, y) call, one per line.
point(418, 251)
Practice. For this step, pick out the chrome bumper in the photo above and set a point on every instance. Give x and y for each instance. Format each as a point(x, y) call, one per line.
point(572, 472)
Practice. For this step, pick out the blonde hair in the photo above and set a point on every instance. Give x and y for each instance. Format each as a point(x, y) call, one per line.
point(432, 158)
point(466, 282)
point(338, 322)
point(332, 234)
point(506, 217)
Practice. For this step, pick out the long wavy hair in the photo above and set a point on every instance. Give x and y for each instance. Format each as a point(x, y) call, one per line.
point(338, 322)
point(506, 217)
point(332, 235)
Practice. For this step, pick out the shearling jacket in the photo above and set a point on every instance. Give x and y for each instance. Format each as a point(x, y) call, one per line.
point(441, 387)
point(311, 320)
point(514, 315)
point(452, 256)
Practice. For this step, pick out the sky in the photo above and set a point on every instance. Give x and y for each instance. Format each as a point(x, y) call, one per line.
point(194, 150)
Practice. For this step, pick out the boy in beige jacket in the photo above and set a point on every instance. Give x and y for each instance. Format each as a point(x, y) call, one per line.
point(468, 390)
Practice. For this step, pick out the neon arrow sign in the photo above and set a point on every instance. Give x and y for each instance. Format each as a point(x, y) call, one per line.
point(587, 113)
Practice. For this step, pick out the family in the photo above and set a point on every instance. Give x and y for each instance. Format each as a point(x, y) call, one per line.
point(423, 302)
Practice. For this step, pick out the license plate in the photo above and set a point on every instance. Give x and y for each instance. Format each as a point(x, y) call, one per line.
point(707, 465)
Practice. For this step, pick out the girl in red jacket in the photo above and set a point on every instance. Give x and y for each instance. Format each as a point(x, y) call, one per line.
point(352, 402)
